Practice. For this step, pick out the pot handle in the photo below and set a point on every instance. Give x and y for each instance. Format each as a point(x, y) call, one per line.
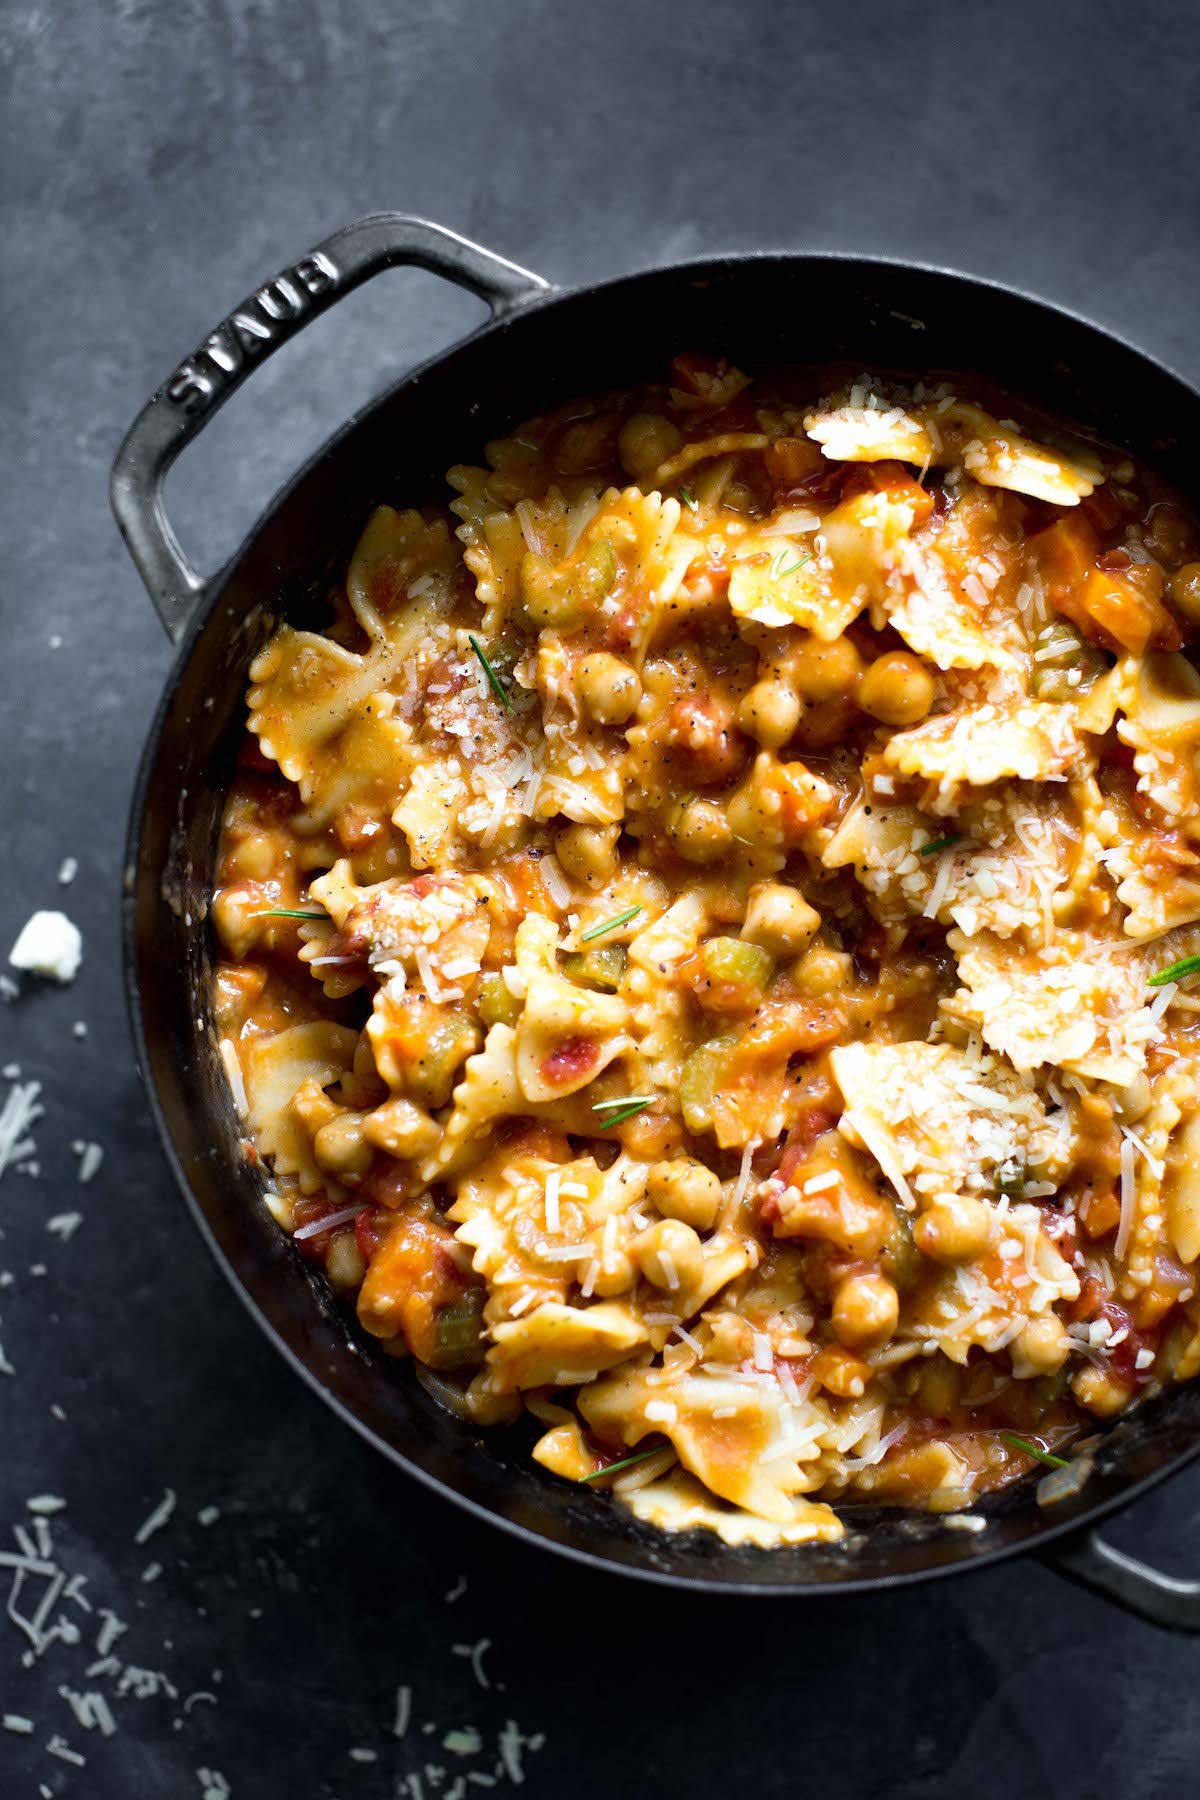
point(1136, 1587)
point(271, 316)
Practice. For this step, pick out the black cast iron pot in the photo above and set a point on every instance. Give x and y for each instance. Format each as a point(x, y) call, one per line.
point(542, 346)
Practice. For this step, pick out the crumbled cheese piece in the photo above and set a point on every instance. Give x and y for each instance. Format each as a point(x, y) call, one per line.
point(48, 945)
point(90, 1158)
point(68, 870)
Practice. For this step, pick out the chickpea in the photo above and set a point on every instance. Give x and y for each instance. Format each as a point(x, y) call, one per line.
point(686, 1190)
point(1132, 1102)
point(939, 1386)
point(345, 1264)
point(865, 1310)
point(341, 1147)
point(312, 1105)
point(897, 688)
point(702, 833)
point(770, 712)
point(780, 919)
point(669, 1255)
point(616, 1275)
point(401, 1128)
point(1169, 534)
point(822, 971)
point(1102, 1394)
point(609, 688)
point(1184, 589)
point(644, 441)
point(1041, 1347)
point(824, 671)
point(588, 853)
point(955, 1228)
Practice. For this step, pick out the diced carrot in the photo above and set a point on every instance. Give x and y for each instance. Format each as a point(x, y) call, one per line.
point(1122, 609)
point(790, 461)
point(894, 480)
point(1065, 552)
point(1100, 1212)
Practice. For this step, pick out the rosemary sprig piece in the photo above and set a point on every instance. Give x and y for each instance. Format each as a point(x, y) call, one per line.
point(942, 843)
point(620, 1110)
point(288, 912)
point(494, 682)
point(626, 1462)
point(1189, 966)
point(779, 569)
point(607, 925)
point(1034, 1450)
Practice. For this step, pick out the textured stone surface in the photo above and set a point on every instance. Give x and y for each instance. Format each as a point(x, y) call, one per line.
point(160, 159)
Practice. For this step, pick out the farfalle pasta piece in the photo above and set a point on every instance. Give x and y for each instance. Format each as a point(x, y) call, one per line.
point(1157, 874)
point(1033, 740)
point(396, 550)
point(870, 433)
point(1081, 1002)
point(562, 1346)
point(273, 1069)
point(565, 1035)
point(1012, 860)
point(824, 588)
point(678, 1502)
point(1161, 700)
point(435, 929)
point(322, 711)
point(752, 1453)
point(869, 426)
point(938, 1120)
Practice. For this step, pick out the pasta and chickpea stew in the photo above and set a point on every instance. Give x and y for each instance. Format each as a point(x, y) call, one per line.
point(707, 935)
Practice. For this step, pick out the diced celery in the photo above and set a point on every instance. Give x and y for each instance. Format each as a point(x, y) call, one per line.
point(699, 1080)
point(497, 1006)
point(728, 959)
point(600, 967)
point(457, 1339)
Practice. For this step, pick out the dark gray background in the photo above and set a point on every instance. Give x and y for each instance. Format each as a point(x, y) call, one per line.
point(160, 157)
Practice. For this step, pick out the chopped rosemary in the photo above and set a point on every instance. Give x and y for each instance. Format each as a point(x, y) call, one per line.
point(1189, 966)
point(494, 682)
point(942, 843)
point(610, 924)
point(689, 500)
point(288, 912)
point(629, 1107)
point(778, 569)
point(625, 1463)
point(1034, 1450)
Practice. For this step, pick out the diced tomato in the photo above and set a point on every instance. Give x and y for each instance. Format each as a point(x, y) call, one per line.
point(411, 1277)
point(701, 734)
point(370, 1229)
point(570, 1061)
